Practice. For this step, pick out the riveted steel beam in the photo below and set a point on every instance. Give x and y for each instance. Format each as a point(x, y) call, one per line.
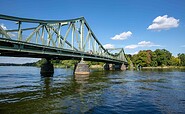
point(60, 34)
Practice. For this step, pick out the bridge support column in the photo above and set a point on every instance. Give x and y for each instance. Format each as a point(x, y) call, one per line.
point(47, 69)
point(81, 68)
point(111, 66)
point(106, 66)
point(123, 67)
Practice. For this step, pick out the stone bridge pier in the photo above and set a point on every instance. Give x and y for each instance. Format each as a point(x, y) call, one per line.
point(47, 68)
point(81, 68)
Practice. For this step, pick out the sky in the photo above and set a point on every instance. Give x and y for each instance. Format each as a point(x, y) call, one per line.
point(130, 24)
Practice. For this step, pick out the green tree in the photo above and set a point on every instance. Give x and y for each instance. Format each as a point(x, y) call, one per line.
point(140, 59)
point(153, 59)
point(40, 62)
point(182, 59)
point(129, 57)
point(145, 58)
point(174, 61)
point(163, 57)
point(69, 63)
point(149, 57)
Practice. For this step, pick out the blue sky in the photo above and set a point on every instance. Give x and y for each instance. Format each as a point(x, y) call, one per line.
point(132, 24)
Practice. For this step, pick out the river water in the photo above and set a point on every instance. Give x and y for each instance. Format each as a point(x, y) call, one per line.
point(23, 90)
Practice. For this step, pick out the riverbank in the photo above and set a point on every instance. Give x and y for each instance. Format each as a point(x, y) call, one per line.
point(96, 66)
point(91, 66)
point(164, 67)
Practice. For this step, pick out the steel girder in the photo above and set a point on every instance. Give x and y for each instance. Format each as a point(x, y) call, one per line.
point(73, 35)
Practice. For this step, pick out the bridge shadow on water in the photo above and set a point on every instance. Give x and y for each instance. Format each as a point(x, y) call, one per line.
point(57, 90)
point(78, 90)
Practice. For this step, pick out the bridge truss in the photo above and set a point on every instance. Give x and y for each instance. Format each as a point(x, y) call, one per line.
point(56, 39)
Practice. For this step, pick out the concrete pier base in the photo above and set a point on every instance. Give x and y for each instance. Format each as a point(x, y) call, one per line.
point(81, 68)
point(47, 69)
point(123, 67)
point(111, 66)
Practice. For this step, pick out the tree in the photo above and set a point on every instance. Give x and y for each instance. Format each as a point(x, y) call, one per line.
point(129, 57)
point(153, 59)
point(149, 57)
point(182, 59)
point(140, 59)
point(174, 61)
point(145, 58)
point(40, 62)
point(69, 63)
point(163, 57)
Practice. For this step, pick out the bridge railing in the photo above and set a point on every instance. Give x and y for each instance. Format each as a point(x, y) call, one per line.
point(72, 34)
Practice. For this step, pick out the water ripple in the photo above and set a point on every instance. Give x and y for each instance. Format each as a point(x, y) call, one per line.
point(100, 92)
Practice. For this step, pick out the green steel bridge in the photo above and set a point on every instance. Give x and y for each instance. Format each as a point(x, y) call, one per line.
point(54, 39)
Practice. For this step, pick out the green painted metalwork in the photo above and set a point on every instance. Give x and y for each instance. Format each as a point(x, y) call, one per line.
point(55, 39)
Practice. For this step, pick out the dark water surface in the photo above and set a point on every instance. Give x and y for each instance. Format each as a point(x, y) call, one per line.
point(22, 90)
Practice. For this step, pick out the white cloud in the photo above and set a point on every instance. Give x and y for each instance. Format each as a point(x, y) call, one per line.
point(3, 26)
point(122, 36)
point(134, 53)
point(108, 46)
point(164, 23)
point(145, 43)
point(131, 46)
point(141, 44)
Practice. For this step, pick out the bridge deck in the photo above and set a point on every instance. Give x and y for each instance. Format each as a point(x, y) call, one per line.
point(55, 39)
point(23, 49)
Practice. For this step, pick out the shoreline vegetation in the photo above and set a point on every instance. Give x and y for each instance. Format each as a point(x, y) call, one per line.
point(165, 67)
point(145, 59)
point(160, 58)
point(92, 66)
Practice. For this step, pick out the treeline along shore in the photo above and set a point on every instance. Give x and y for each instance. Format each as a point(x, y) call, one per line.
point(13, 64)
point(57, 63)
point(160, 58)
